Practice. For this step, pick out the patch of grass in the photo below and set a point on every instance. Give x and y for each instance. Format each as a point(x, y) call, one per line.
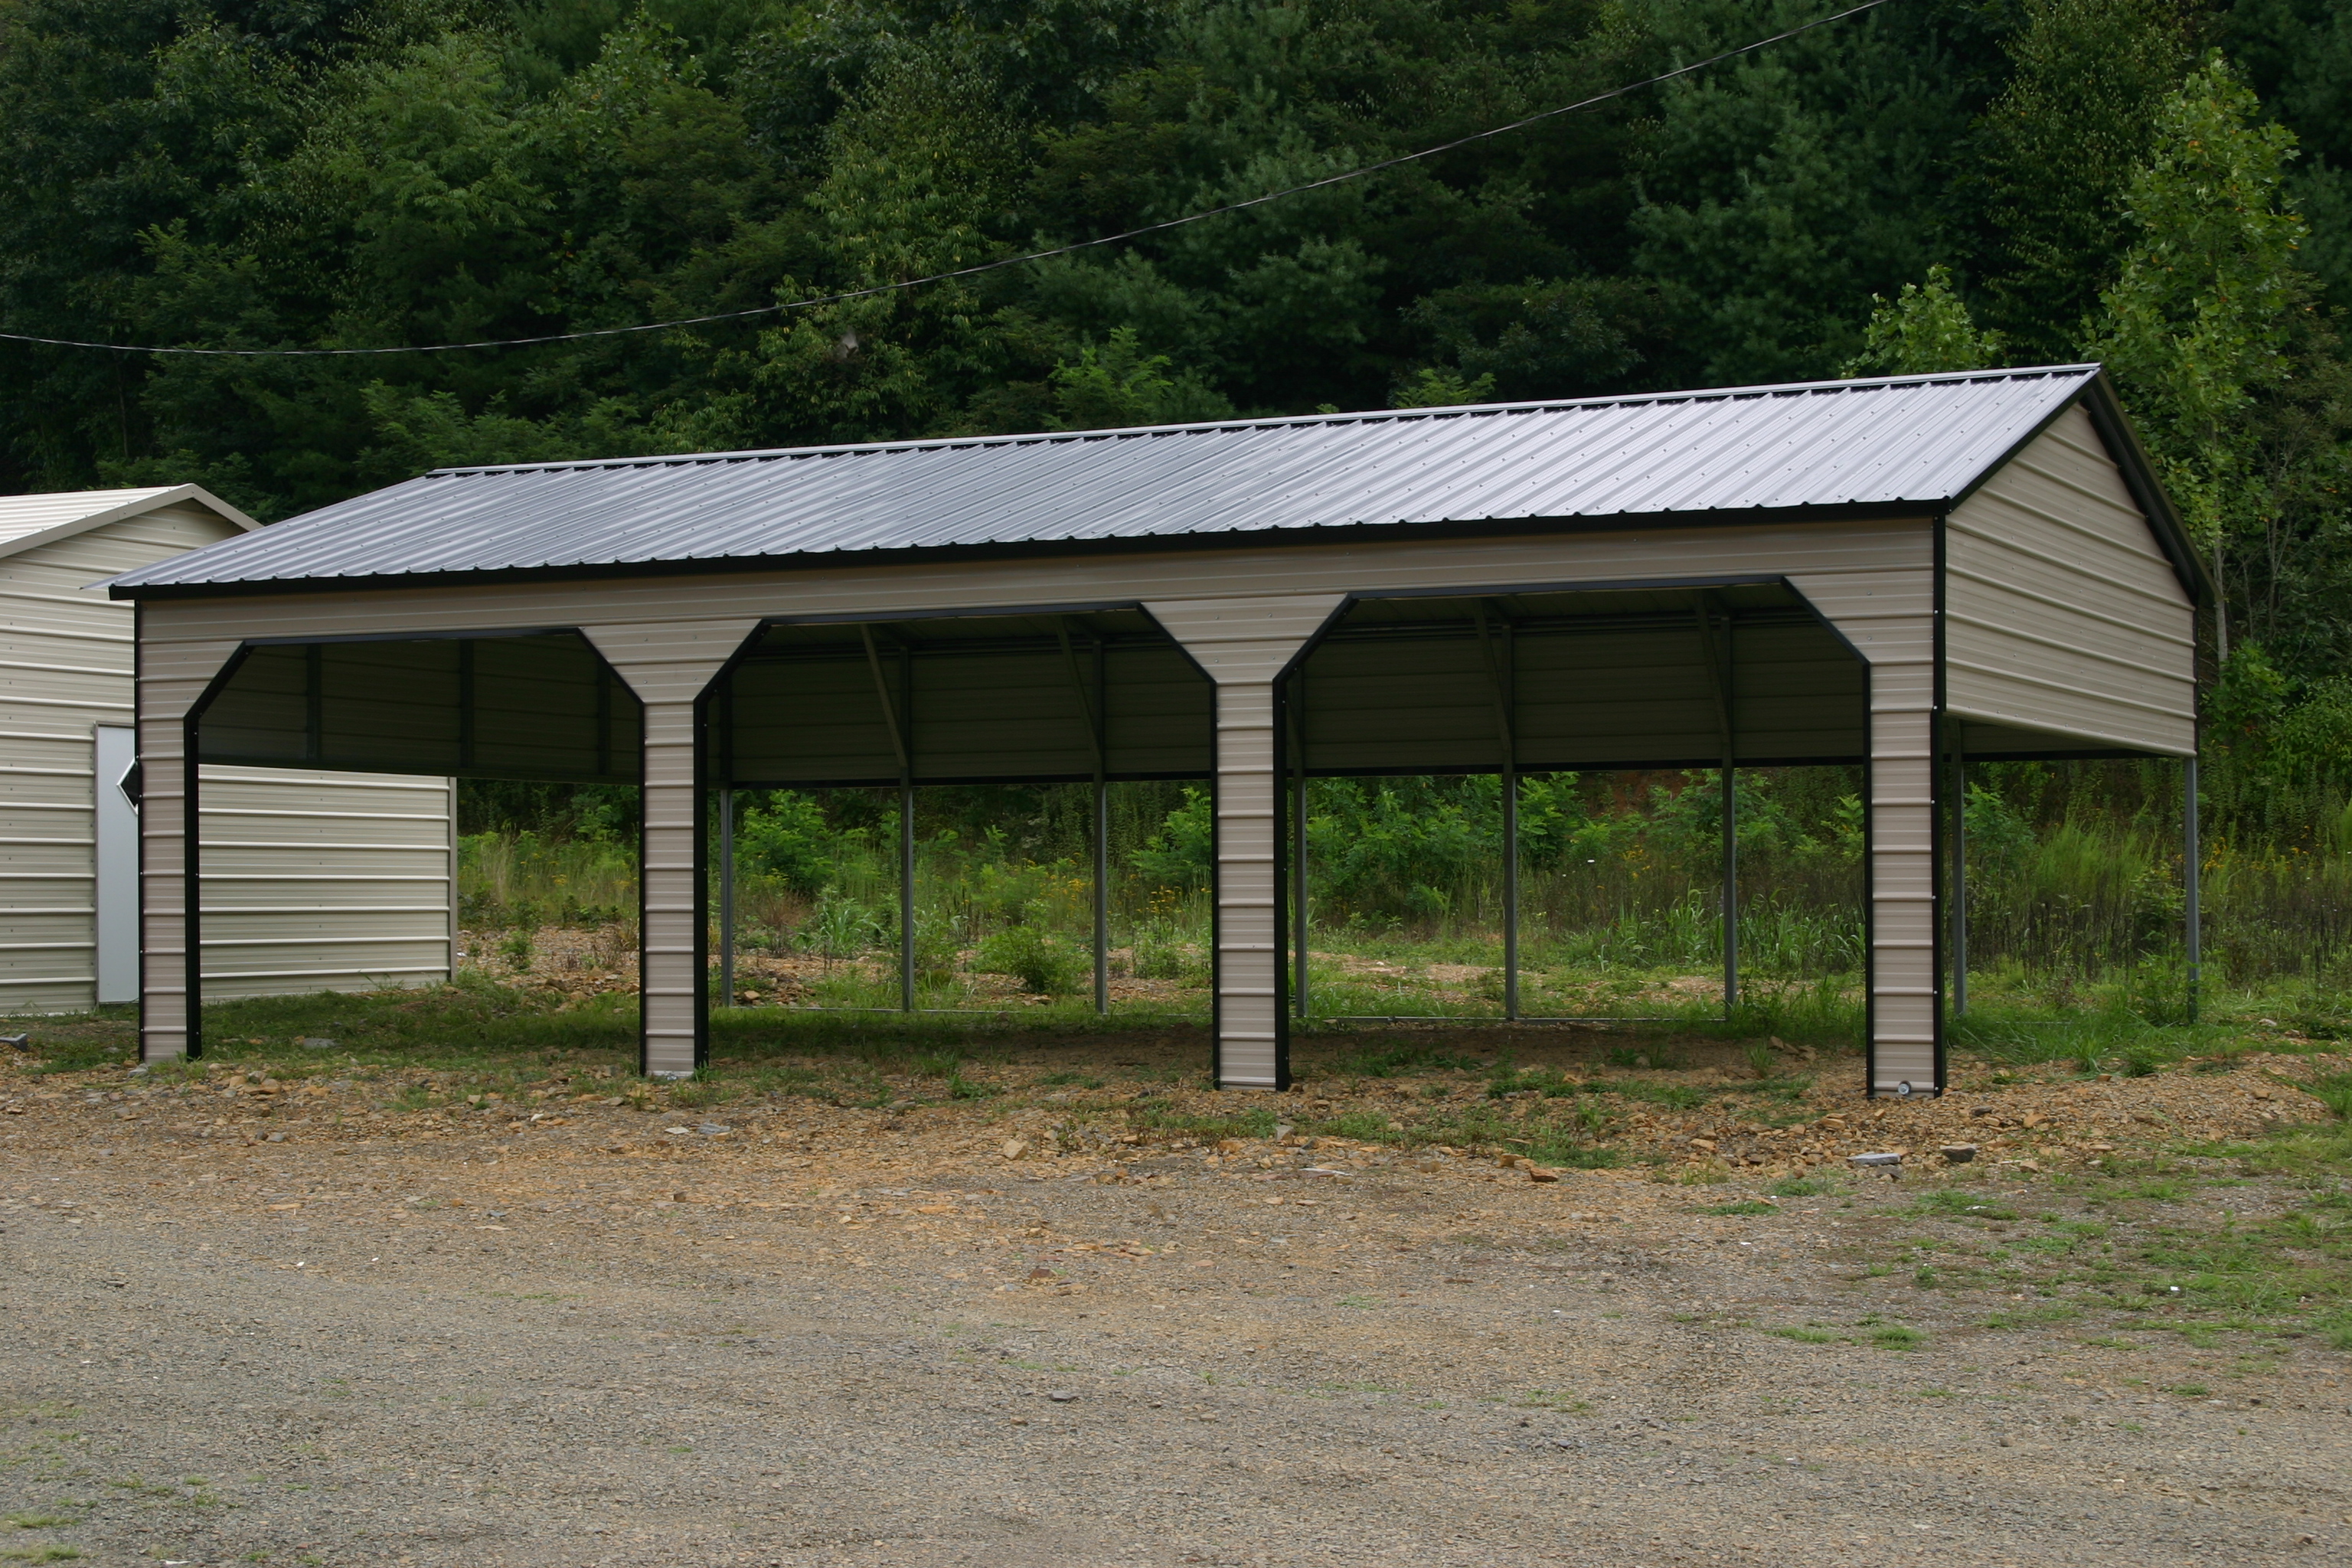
point(1654, 1057)
point(1388, 1061)
point(1808, 1335)
point(1257, 1122)
point(1551, 1399)
point(961, 1088)
point(1798, 1187)
point(33, 1518)
point(1680, 1095)
point(1071, 1076)
point(1363, 1126)
point(1743, 1205)
point(2033, 1317)
point(2190, 1389)
point(1897, 1337)
point(2333, 1090)
point(47, 1552)
point(1568, 1151)
point(2161, 1191)
point(1959, 1203)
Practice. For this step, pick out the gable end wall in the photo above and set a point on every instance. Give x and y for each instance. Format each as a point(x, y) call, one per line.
point(2061, 614)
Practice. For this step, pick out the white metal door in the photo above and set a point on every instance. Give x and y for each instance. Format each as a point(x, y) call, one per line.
point(116, 752)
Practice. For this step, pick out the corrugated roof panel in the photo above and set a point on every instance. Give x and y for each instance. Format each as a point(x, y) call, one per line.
point(1898, 442)
point(23, 515)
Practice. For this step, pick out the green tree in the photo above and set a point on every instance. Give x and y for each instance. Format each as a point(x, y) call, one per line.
point(2297, 54)
point(1780, 191)
point(1117, 385)
point(2052, 154)
point(1924, 330)
point(2198, 325)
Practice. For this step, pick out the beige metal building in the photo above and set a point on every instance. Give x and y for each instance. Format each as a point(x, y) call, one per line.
point(1894, 572)
point(318, 881)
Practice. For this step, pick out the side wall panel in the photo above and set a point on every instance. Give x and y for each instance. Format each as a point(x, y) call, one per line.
point(317, 881)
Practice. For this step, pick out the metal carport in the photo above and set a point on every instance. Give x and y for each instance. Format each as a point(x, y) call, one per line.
point(1891, 572)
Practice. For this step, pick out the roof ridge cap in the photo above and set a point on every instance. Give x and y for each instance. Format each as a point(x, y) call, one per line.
point(1369, 415)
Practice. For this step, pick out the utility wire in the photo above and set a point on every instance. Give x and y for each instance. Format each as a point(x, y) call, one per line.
point(1001, 262)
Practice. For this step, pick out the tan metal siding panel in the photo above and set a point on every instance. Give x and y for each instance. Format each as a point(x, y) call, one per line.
point(1818, 551)
point(2064, 616)
point(1889, 615)
point(171, 678)
point(1243, 645)
point(668, 666)
point(316, 881)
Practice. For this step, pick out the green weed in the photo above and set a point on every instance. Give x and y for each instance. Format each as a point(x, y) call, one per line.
point(1798, 1187)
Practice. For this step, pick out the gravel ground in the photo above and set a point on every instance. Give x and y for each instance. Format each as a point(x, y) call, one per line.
point(805, 1334)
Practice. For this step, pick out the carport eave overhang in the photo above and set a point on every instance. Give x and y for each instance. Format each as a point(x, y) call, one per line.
point(1347, 535)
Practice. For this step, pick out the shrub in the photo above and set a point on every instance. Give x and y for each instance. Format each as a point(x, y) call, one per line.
point(1038, 959)
point(789, 839)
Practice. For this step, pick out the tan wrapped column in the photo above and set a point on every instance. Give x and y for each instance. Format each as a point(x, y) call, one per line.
point(1245, 644)
point(1890, 619)
point(171, 679)
point(668, 665)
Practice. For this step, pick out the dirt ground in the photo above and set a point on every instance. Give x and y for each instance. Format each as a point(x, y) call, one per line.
point(317, 1323)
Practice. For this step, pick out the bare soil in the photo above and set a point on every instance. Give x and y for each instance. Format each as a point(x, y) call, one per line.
point(306, 1321)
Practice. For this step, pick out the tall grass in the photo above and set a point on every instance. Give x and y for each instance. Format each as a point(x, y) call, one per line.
point(2075, 887)
point(525, 879)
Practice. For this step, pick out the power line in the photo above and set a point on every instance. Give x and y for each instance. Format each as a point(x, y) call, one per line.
point(976, 269)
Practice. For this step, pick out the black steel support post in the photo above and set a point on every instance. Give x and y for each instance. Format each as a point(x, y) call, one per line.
point(1502, 675)
point(1959, 881)
point(2192, 854)
point(1093, 712)
point(1718, 662)
point(1300, 915)
point(727, 895)
point(899, 717)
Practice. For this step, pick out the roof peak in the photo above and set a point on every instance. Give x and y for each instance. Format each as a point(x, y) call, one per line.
point(1360, 416)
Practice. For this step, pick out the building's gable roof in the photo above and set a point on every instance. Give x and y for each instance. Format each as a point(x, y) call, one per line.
point(29, 521)
point(1886, 447)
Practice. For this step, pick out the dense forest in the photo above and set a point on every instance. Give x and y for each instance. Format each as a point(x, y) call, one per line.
point(2164, 186)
